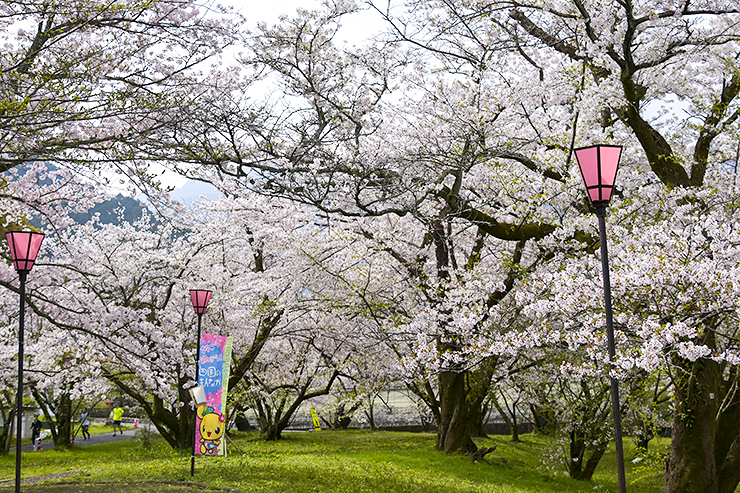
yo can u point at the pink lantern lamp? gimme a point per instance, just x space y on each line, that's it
598 165
24 248
200 298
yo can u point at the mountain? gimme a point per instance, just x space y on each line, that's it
130 210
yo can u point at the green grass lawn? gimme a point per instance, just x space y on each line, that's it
341 462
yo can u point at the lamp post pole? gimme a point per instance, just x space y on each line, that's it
195 406
601 214
19 410
24 248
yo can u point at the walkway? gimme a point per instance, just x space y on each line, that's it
94 438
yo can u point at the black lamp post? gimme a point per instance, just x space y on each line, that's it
200 298
24 248
598 165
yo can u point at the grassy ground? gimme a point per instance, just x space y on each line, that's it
327 462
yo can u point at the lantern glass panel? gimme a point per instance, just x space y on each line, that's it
609 163
588 162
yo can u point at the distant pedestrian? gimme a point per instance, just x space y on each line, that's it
117 417
36 428
85 419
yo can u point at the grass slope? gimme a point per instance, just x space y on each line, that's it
326 462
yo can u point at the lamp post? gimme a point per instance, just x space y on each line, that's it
598 165
24 248
200 299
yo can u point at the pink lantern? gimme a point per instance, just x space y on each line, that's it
24 248
598 166
200 298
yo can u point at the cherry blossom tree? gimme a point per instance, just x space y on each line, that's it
86 82
325 144
460 126
494 98
677 54
116 296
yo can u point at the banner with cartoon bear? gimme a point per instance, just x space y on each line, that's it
213 375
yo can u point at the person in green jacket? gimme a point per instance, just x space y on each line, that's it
117 416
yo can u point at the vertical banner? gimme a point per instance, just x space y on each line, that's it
315 418
213 374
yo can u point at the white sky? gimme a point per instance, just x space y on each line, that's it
270 10
355 27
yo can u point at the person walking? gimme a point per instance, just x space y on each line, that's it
85 420
36 426
117 417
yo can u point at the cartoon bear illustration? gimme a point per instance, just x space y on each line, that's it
211 429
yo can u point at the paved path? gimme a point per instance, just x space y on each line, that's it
94 438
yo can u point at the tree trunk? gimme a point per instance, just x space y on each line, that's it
272 426
175 428
6 436
578 450
57 415
63 420
461 394
370 413
543 420
727 444
691 465
642 442
477 418
271 431
514 428
454 429
509 417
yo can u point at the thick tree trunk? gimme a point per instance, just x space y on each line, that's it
691 465
579 450
57 416
543 420
176 429
271 431
63 420
454 429
642 442
727 444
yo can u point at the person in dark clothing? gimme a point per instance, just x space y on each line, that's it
36 428
85 419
